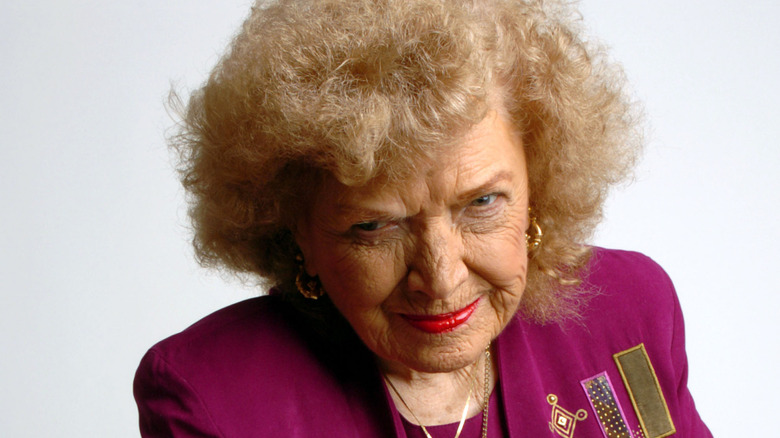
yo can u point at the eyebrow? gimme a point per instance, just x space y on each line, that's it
486 186
357 211
361 213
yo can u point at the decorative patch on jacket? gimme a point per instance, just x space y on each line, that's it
562 421
645 392
606 406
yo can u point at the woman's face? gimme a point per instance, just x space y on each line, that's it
428 271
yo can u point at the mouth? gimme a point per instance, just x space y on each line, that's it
442 323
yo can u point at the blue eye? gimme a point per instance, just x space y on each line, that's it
484 200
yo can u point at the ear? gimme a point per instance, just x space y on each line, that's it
303 240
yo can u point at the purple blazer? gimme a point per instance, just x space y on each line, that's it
254 369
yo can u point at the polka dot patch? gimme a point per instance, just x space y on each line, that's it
606 406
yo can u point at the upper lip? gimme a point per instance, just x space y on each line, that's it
440 316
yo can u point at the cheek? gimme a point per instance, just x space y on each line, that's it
502 260
503 266
359 280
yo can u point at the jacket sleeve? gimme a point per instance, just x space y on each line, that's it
168 406
687 422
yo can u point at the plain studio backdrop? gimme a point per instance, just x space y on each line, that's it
95 260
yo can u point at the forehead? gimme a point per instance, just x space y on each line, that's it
490 153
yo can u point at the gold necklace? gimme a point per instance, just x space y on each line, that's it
485 401
486 398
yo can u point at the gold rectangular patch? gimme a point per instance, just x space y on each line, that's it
645 392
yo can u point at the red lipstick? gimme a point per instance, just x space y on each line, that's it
442 323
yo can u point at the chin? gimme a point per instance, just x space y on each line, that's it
450 353
445 362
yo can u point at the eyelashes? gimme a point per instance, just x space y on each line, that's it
373 233
484 200
370 226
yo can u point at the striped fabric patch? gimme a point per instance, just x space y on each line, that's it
606 406
645 392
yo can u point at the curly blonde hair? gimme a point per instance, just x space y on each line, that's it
362 88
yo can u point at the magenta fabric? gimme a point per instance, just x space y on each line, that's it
253 370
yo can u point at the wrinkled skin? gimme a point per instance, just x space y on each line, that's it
451 234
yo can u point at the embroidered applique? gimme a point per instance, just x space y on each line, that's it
562 421
645 392
606 406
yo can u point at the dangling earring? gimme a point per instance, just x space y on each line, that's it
309 287
534 240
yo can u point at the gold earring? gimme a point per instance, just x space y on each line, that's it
309 287
534 240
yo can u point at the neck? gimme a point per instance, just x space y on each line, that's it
438 398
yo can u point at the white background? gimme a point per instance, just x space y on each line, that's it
95 263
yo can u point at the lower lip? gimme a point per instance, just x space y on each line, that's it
441 323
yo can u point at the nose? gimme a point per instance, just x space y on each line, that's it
438 267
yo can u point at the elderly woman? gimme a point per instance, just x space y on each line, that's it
415 179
